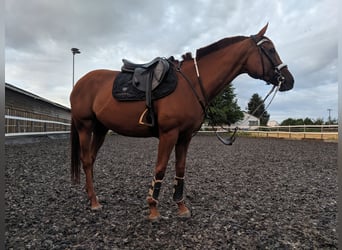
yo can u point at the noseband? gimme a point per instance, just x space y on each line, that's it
277 67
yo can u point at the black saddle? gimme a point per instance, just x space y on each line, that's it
149 81
151 73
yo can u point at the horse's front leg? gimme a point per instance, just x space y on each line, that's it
178 193
167 142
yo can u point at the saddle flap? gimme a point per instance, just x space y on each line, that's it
160 70
159 73
141 77
152 75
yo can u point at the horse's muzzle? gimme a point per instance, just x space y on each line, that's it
287 80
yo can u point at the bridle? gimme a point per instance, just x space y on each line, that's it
277 67
277 70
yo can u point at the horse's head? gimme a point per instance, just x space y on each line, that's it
264 63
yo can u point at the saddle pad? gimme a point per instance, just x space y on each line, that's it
124 90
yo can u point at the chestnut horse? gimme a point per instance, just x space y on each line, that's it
94 111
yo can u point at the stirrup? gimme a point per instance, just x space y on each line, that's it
144 115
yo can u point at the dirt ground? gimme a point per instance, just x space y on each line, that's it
256 194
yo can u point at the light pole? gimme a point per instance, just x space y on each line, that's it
329 110
74 51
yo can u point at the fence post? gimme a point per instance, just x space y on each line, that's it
304 131
290 131
17 128
322 132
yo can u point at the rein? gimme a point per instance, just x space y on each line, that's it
276 88
231 139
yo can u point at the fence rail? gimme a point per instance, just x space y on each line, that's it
323 132
16 126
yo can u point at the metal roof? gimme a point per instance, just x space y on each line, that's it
36 97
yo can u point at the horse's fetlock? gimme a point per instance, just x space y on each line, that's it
178 189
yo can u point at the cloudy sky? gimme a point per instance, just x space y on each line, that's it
40 33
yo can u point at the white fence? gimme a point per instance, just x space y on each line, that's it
323 132
17 126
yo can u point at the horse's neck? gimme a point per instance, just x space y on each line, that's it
220 68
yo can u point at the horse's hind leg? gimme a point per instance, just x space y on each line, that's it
98 137
90 142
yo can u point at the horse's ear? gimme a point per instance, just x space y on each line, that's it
262 31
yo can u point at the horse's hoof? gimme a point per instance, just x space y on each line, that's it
185 214
154 218
96 208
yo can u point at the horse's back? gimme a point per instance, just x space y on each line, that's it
91 82
89 89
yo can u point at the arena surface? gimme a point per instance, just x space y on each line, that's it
256 194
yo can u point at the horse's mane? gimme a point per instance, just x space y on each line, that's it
185 57
210 48
218 45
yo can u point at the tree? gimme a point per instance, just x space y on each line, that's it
288 121
319 121
300 121
291 121
261 113
308 121
224 108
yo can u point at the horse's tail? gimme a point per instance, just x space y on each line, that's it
75 154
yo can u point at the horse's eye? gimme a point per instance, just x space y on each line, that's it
272 50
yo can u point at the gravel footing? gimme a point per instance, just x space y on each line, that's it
256 194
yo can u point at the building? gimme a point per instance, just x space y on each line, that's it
27 113
272 123
249 122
